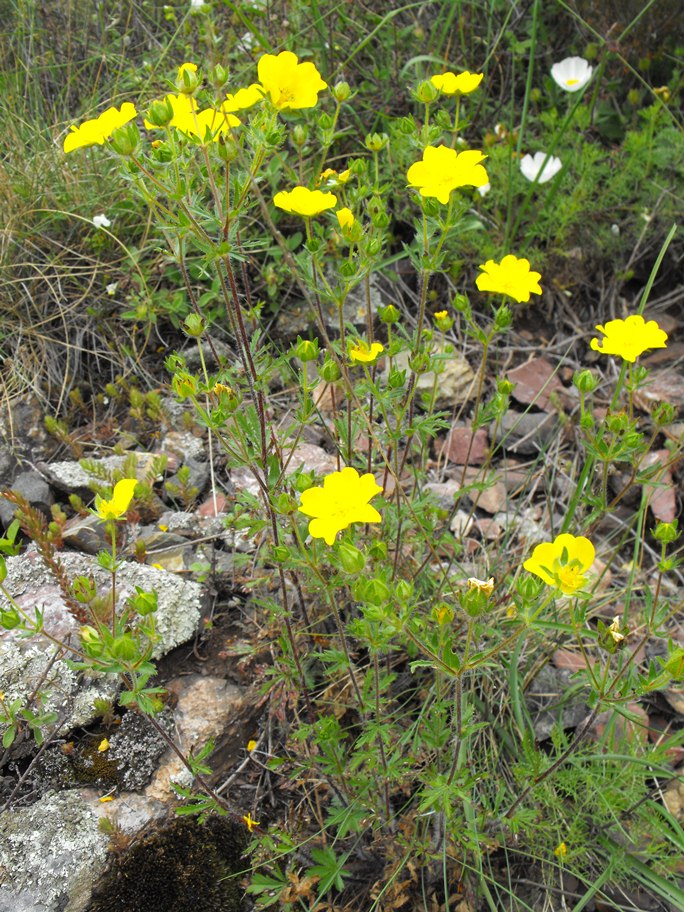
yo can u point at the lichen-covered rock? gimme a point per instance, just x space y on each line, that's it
50 854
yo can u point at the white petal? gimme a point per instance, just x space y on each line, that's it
101 221
533 167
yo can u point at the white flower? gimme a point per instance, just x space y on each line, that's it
572 74
534 169
196 4
484 189
101 221
111 288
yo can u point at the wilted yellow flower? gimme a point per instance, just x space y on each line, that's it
341 501
95 132
443 170
305 202
290 85
561 850
614 630
512 276
249 822
486 586
629 338
563 562
364 353
345 217
251 745
243 99
120 501
457 84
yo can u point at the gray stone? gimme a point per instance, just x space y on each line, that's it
180 602
34 488
526 433
184 445
454 383
71 477
545 700
87 533
50 855
197 478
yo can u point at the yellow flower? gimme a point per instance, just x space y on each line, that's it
251 745
290 84
120 501
486 586
452 84
512 276
189 120
243 99
629 338
331 175
94 132
105 799
345 217
365 354
443 170
563 562
249 822
561 850
440 314
341 501
103 746
302 201
190 67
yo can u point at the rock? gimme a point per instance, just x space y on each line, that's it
446 492
213 506
34 488
461 445
544 697
535 383
127 812
455 379
525 433
526 524
180 602
222 349
661 494
22 435
461 523
183 445
674 798
188 484
50 855
86 533
491 499
206 706
71 477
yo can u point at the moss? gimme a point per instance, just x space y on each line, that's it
185 867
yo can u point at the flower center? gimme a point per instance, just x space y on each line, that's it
571 82
570 577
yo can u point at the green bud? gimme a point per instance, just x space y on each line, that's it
375 142
419 363
352 559
299 135
143 603
585 381
474 602
10 618
280 554
443 321
285 504
347 270
303 481
634 97
461 304
84 589
227 149
403 590
407 125
503 318
375 592
188 81
91 642
664 413
666 533
431 207
306 350
617 423
535 95
125 140
587 422
425 92
329 371
396 378
389 314
184 385
325 121
529 587
194 325
675 664
341 91
373 247
504 386
125 648
218 76
378 551
160 113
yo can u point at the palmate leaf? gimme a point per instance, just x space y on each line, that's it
329 869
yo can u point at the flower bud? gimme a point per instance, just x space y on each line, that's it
227 149
91 642
279 554
160 113
125 140
443 321
303 481
184 385
634 97
125 648
325 121
461 304
341 91
375 592
143 603
396 378
585 381
666 533
502 318
329 371
426 93
403 590
84 589
375 142
351 558
300 135
187 81
194 325
10 618
389 314
378 550
285 504
663 92
306 350
218 76
663 413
